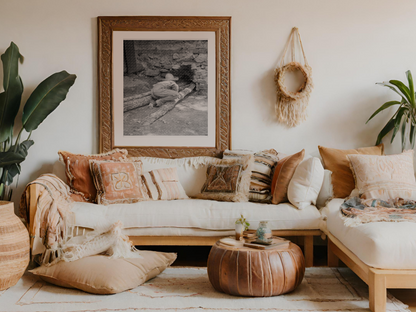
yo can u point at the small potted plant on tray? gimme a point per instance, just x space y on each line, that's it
241 225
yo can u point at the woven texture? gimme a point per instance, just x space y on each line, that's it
14 246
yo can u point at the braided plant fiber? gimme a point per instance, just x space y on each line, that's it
291 106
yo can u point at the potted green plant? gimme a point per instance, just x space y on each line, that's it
13 150
241 225
404 119
44 100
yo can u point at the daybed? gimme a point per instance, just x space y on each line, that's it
382 254
191 221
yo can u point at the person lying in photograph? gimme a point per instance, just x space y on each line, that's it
165 91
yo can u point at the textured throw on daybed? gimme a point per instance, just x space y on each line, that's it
52 227
356 211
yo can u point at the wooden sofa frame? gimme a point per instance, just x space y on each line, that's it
192 240
378 280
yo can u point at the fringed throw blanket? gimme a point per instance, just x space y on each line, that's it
356 211
52 226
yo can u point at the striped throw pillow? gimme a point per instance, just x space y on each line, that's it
167 184
262 172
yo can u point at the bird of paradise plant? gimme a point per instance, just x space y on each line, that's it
44 100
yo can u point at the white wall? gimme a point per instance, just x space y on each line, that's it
350 46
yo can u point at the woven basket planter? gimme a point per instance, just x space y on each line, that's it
14 246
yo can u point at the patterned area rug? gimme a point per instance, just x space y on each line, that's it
188 289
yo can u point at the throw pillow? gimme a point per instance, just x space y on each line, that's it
336 160
167 184
306 183
228 180
261 176
326 193
104 275
118 182
77 169
384 177
283 174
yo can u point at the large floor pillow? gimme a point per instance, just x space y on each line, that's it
104 275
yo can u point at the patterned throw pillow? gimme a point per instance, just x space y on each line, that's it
228 179
262 173
118 182
384 177
163 184
77 170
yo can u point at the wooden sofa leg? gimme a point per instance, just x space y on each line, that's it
308 248
333 260
377 291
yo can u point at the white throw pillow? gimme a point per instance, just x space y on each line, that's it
327 192
306 183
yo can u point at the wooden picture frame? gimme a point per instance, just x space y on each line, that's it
110 28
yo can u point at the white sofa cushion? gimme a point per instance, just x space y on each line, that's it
383 245
306 183
326 193
195 213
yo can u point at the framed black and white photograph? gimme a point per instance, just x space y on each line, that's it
168 91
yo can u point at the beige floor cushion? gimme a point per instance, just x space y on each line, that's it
103 275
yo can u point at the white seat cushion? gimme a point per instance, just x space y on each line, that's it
195 213
383 245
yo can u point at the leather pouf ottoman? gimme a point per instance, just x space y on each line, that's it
255 273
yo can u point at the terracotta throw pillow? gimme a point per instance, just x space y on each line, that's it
228 180
384 177
283 174
118 182
77 170
104 275
336 161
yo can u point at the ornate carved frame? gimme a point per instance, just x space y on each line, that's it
222 28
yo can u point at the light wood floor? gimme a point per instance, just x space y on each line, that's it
197 256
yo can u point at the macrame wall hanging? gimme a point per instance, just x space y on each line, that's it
291 105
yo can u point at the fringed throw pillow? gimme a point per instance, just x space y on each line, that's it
118 182
262 172
228 179
77 170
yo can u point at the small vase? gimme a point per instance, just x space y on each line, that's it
264 233
239 229
14 246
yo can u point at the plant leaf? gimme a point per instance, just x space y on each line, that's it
403 132
398 121
412 135
411 88
403 89
13 89
387 128
383 107
10 172
10 158
45 98
384 84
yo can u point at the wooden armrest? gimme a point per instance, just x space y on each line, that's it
33 204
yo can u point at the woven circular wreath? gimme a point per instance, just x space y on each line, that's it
303 90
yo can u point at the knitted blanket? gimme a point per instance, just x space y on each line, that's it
356 211
51 227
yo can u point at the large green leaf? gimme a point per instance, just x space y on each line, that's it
10 158
412 135
384 84
383 107
403 89
45 98
387 128
13 89
411 87
403 132
398 120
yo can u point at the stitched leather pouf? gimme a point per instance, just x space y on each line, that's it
14 246
255 273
